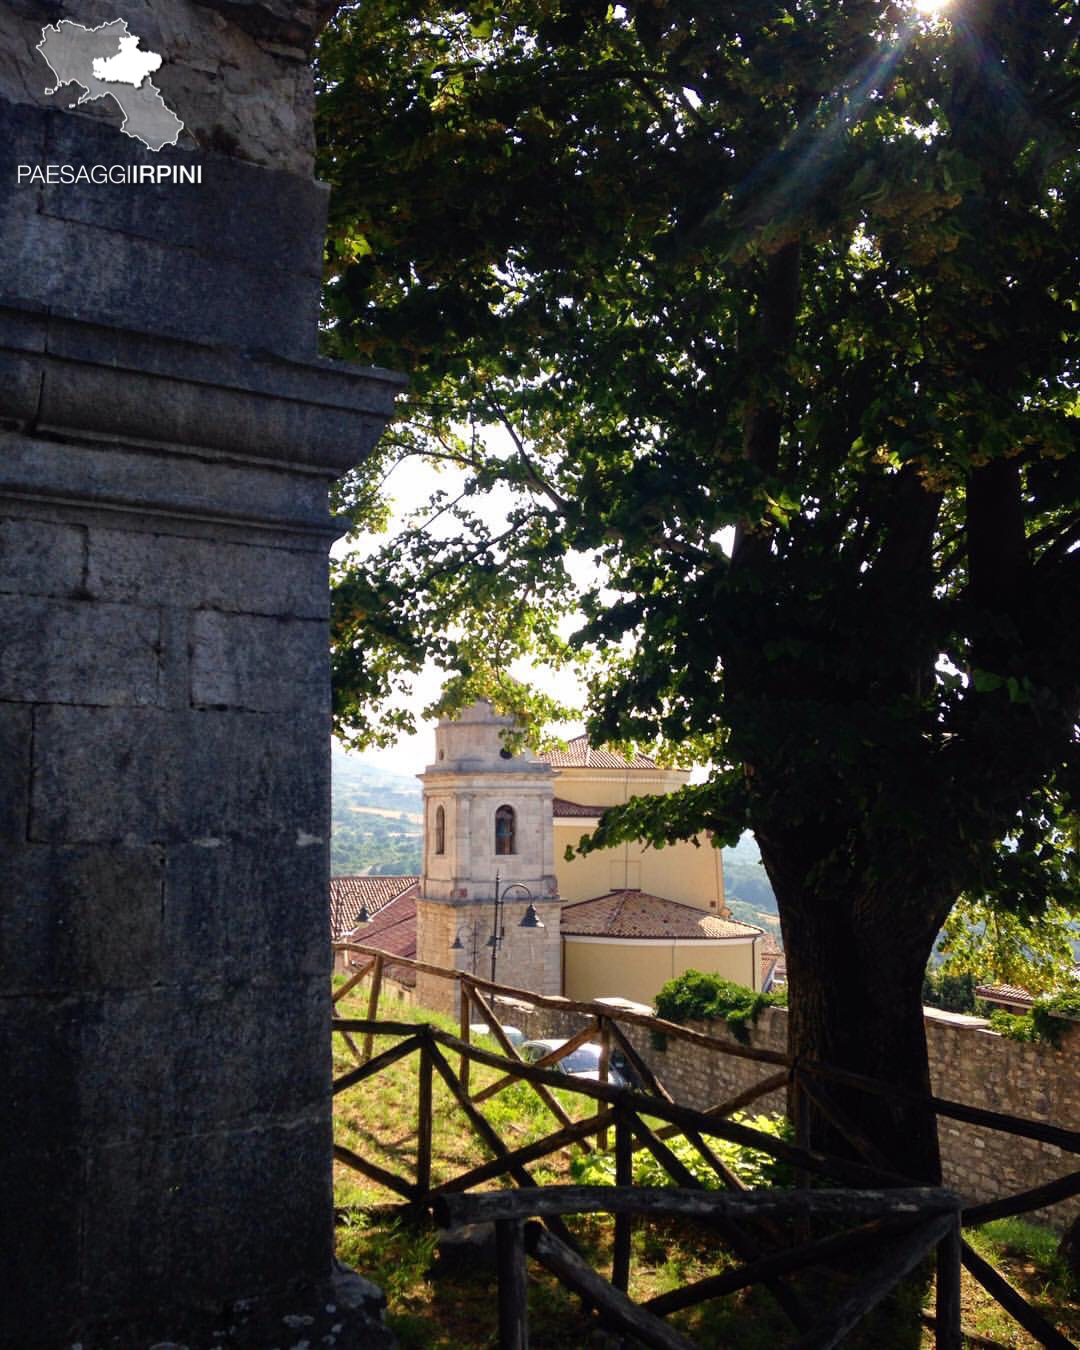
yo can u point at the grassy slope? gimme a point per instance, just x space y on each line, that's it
457 1312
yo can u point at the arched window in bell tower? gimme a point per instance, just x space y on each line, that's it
505 830
440 830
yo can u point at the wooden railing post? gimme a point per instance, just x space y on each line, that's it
605 1061
624 1176
947 1333
513 1300
373 1005
424 1124
463 1067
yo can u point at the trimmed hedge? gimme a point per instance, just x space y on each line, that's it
696 997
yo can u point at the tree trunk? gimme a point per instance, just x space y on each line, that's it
855 970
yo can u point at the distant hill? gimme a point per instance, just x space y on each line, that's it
375 819
746 885
377 827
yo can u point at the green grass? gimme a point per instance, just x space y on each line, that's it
378 1120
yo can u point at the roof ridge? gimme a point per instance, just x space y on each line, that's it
619 907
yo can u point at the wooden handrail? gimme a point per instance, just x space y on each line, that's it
1064 1188
784 1262
1067 1140
823 1164
900 1205
541 1202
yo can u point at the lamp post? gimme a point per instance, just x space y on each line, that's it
474 936
530 920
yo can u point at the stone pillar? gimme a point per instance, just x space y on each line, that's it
167 439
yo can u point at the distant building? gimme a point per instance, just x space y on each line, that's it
350 895
587 782
773 966
616 923
1010 997
389 904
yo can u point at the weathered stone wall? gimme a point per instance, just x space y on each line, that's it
164 732
526 956
167 441
968 1063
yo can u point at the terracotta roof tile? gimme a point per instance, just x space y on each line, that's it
579 754
564 808
1005 993
347 894
393 930
636 914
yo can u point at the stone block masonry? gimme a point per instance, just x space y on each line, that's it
167 440
968 1064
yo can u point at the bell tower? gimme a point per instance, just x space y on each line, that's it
488 857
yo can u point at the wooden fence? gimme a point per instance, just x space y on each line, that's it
921 1219
622 1111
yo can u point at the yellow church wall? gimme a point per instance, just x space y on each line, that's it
610 787
694 876
595 968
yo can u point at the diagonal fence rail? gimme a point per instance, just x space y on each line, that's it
922 1219
625 1110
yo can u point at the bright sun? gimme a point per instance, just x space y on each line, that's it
931 6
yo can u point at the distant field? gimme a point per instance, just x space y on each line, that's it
414 816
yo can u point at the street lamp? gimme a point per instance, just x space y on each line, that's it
531 919
495 940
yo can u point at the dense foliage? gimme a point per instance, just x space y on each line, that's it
954 993
695 996
775 307
1047 1021
756 1169
993 945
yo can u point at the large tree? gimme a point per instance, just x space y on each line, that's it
797 272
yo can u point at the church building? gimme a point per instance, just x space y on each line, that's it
496 892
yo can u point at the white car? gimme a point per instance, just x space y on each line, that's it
584 1062
513 1034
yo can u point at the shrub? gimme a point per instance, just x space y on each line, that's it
1045 1022
1050 1014
759 1170
694 996
1013 1026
